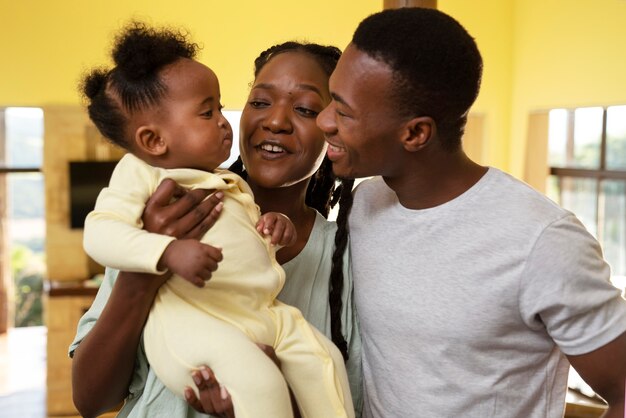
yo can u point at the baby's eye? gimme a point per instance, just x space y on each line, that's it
208 114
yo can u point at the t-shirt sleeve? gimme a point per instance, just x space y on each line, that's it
88 320
566 288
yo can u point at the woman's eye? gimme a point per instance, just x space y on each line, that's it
307 112
258 104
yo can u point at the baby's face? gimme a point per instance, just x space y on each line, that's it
197 134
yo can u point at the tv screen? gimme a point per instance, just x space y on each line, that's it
87 178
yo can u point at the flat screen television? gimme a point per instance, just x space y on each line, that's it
87 178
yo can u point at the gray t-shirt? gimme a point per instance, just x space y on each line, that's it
467 309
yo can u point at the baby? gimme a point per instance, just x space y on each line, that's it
163 107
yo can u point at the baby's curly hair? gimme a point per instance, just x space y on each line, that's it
139 53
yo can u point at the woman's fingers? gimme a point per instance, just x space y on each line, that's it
213 399
202 217
181 213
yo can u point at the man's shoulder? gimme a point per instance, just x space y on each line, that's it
369 185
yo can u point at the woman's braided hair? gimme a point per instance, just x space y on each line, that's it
324 190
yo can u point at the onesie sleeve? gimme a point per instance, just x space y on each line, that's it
113 234
566 288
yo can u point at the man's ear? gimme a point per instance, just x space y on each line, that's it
148 139
418 133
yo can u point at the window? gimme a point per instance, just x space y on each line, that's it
587 159
22 213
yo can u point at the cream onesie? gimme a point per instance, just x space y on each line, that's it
219 324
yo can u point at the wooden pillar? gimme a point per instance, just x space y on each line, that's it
5 259
396 4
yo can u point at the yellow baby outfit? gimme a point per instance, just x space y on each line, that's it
218 325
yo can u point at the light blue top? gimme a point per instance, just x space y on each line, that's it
306 287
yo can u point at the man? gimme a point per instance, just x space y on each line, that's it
473 290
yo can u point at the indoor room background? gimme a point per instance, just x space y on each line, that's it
539 55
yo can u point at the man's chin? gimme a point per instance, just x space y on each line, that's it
345 172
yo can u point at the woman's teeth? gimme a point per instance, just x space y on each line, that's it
272 148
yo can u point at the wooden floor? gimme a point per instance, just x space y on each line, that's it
23 373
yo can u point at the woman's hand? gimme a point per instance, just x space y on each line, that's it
214 398
172 210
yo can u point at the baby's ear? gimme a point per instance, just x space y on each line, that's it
148 139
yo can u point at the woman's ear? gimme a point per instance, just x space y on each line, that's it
148 140
419 132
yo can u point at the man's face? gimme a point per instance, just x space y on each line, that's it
361 124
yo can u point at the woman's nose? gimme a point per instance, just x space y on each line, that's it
278 120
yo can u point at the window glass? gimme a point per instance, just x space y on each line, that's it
557 134
579 195
24 137
613 224
616 138
587 138
24 216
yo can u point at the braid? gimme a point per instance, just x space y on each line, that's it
336 273
321 189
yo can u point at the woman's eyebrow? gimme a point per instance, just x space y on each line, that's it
302 86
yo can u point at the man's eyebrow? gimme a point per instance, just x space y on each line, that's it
339 99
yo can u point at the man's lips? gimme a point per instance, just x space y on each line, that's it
334 152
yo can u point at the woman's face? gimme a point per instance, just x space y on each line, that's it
280 143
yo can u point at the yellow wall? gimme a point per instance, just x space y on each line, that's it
568 53
538 53
46 45
490 22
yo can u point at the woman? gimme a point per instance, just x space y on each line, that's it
283 152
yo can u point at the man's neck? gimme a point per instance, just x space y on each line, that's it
431 182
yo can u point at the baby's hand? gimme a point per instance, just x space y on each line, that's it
191 259
279 226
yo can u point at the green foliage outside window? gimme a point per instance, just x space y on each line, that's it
27 268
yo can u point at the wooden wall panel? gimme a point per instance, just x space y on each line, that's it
536 168
68 136
395 4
